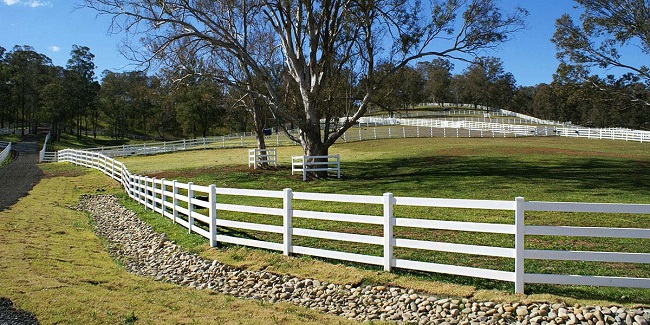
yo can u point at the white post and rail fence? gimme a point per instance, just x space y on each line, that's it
311 164
6 151
259 157
44 155
401 128
201 210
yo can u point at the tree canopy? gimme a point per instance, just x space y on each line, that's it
313 41
605 27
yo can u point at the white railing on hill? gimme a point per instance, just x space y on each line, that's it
148 148
377 120
181 202
5 131
6 151
608 133
529 118
402 128
354 134
470 109
44 155
422 128
520 130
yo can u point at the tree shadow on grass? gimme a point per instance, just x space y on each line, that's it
556 175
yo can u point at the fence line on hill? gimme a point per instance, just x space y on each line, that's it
607 133
44 155
409 128
471 109
199 209
280 139
4 154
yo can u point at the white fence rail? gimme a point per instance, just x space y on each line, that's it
44 155
462 124
470 109
182 203
426 129
4 154
308 164
258 157
610 133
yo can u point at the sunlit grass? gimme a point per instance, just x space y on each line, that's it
56 267
539 169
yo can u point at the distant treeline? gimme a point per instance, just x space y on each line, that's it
71 99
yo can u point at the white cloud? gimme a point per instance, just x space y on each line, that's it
30 3
54 48
36 3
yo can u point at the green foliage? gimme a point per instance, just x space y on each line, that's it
605 26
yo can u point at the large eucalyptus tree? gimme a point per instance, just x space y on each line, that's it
313 40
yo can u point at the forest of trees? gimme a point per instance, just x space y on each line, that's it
210 84
71 99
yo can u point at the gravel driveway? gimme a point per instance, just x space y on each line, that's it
19 176
16 179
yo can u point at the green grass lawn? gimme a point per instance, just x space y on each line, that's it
53 265
539 169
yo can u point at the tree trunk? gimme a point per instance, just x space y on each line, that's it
259 126
314 146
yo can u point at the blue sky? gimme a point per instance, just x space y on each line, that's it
53 26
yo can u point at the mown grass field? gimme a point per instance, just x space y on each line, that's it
539 169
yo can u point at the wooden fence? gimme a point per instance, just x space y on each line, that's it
199 208
4 154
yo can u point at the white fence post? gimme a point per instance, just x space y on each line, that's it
174 201
338 165
304 168
190 208
388 231
287 221
163 188
153 195
519 244
213 215
141 191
